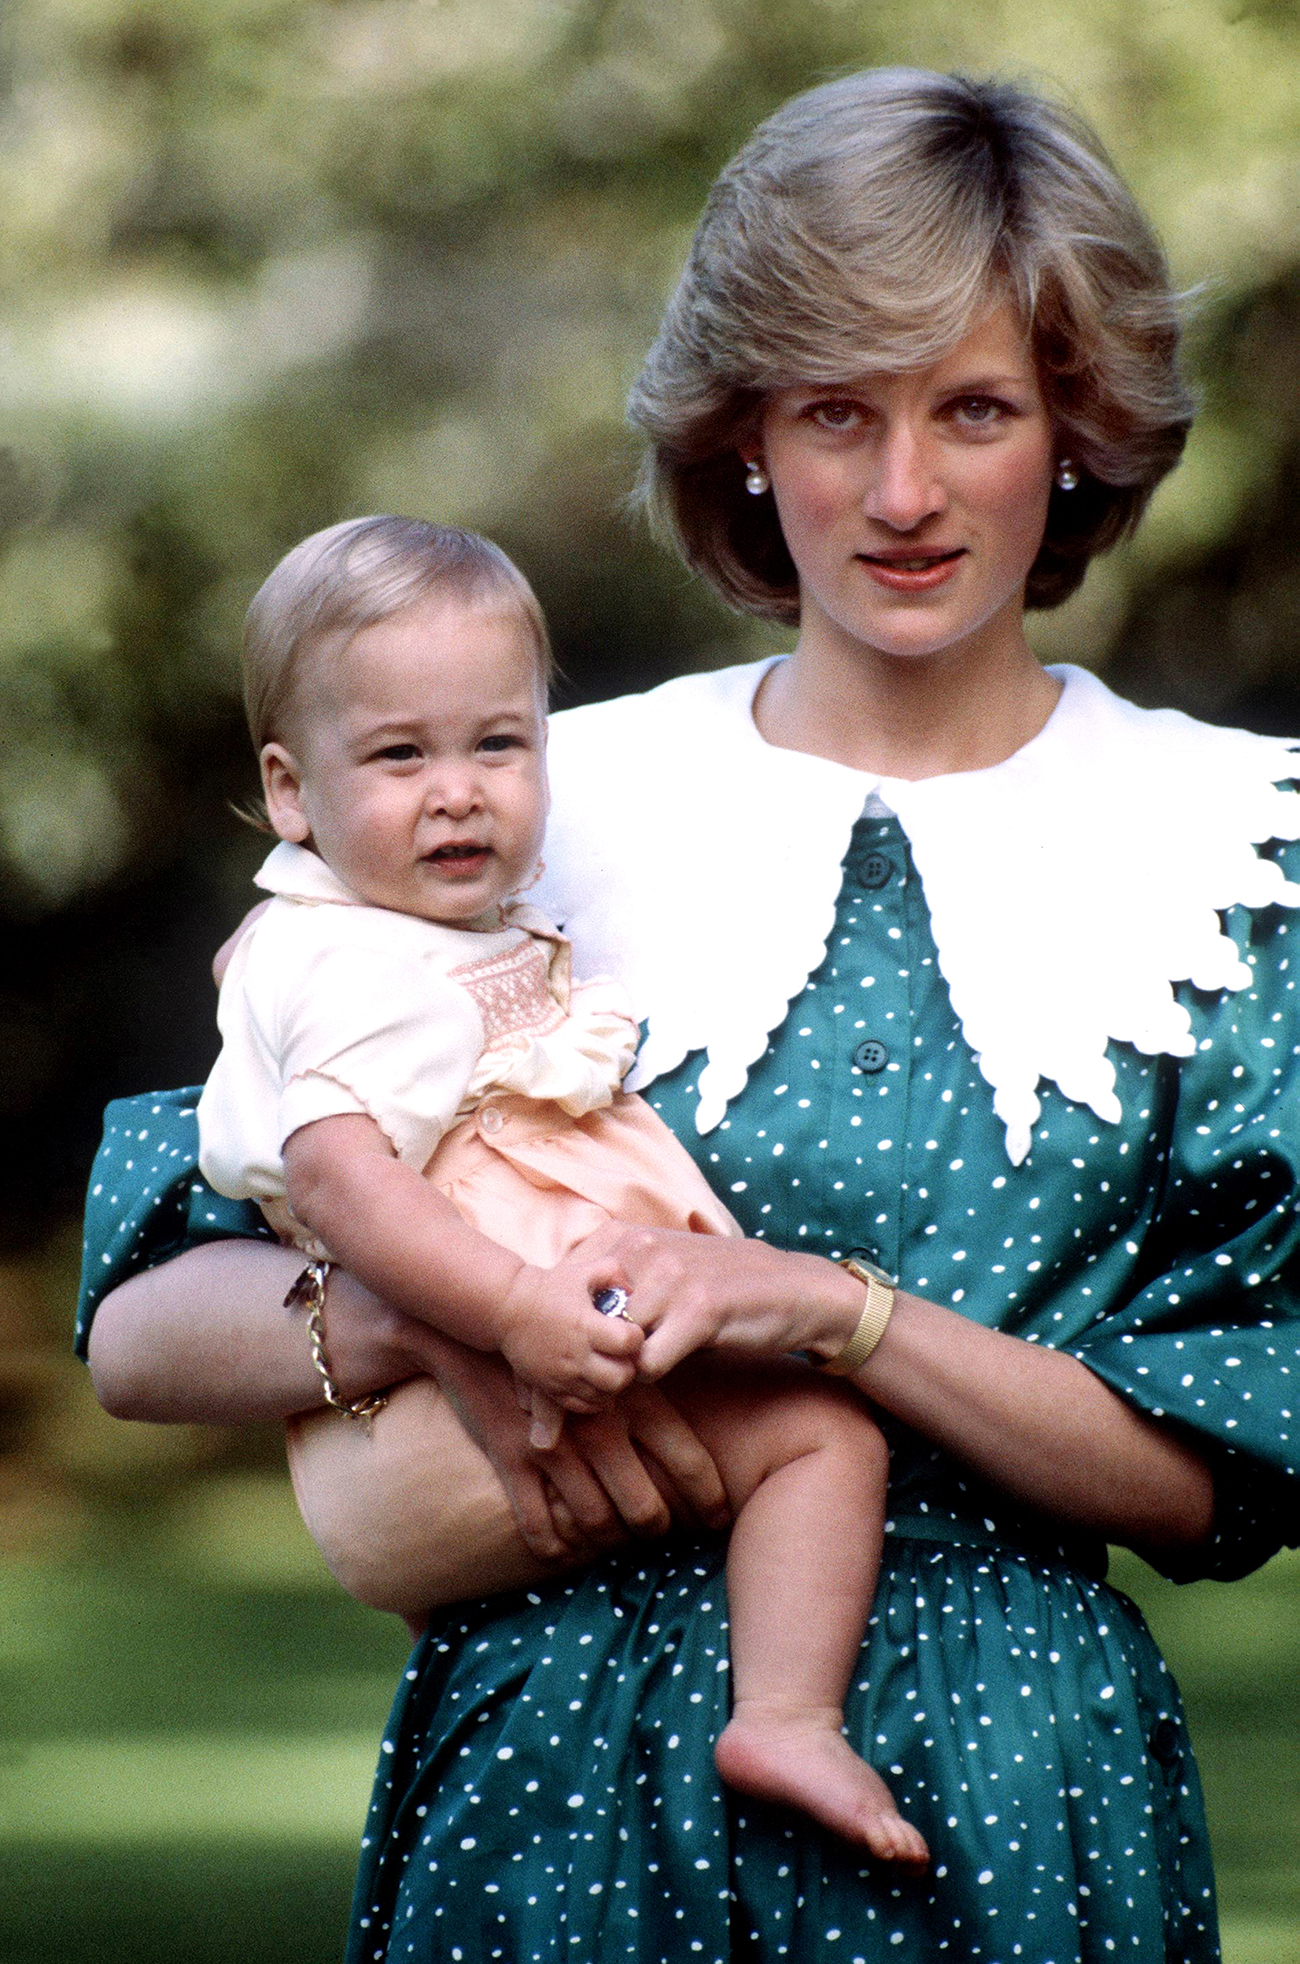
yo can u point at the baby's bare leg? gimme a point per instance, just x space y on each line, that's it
805 1468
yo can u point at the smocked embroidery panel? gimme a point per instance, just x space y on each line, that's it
511 994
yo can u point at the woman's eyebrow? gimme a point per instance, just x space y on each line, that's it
971 384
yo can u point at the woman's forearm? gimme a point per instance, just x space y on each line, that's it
1027 1418
206 1339
1042 1426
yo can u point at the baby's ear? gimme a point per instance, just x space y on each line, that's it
282 787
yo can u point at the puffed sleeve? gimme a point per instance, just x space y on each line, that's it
147 1200
1212 1342
333 1011
397 1042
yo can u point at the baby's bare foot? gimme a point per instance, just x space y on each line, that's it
800 1757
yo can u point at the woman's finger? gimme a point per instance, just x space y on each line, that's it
594 1516
675 1339
562 1520
622 1473
603 1379
616 1336
693 1480
535 1515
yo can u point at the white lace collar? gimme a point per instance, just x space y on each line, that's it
1069 887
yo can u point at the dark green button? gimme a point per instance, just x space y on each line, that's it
1166 1742
871 1056
876 870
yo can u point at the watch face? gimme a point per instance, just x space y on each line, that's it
858 1260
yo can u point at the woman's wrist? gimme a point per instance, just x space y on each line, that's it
837 1307
371 1345
879 1294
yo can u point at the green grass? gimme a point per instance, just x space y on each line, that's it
1235 1650
191 1712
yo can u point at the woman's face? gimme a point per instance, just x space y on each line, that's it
914 504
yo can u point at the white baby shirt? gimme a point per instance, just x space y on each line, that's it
331 1006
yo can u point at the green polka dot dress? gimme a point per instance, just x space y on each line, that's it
546 1789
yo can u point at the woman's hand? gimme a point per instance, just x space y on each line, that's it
732 1295
1032 1420
631 1470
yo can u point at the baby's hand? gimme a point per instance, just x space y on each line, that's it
558 1343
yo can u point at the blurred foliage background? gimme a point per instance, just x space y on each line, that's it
264 264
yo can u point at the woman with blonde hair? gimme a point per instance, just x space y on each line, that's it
968 985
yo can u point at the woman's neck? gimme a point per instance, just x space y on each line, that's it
908 718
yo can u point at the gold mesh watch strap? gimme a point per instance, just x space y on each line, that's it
876 1312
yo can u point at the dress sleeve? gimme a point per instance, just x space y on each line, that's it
147 1200
1212 1341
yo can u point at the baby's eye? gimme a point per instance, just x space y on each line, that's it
501 740
398 753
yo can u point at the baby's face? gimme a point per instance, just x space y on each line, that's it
419 766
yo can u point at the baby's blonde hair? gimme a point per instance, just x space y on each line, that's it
354 574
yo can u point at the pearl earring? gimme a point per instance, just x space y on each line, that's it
757 480
1067 476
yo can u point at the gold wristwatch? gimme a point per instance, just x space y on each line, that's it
881 1290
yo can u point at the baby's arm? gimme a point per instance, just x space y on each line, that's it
407 1243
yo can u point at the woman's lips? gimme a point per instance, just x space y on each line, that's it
911 572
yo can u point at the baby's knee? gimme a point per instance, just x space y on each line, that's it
845 1421
808 1412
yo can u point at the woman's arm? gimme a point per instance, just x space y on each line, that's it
206 1339
1032 1420
1041 1425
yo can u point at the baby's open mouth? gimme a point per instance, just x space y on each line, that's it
466 850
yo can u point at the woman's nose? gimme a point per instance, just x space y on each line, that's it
903 487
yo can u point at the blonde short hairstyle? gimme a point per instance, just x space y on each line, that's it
866 226
352 575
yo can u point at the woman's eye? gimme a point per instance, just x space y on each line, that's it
981 412
834 414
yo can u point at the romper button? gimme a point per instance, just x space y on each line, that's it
1165 1741
491 1119
871 1055
876 870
